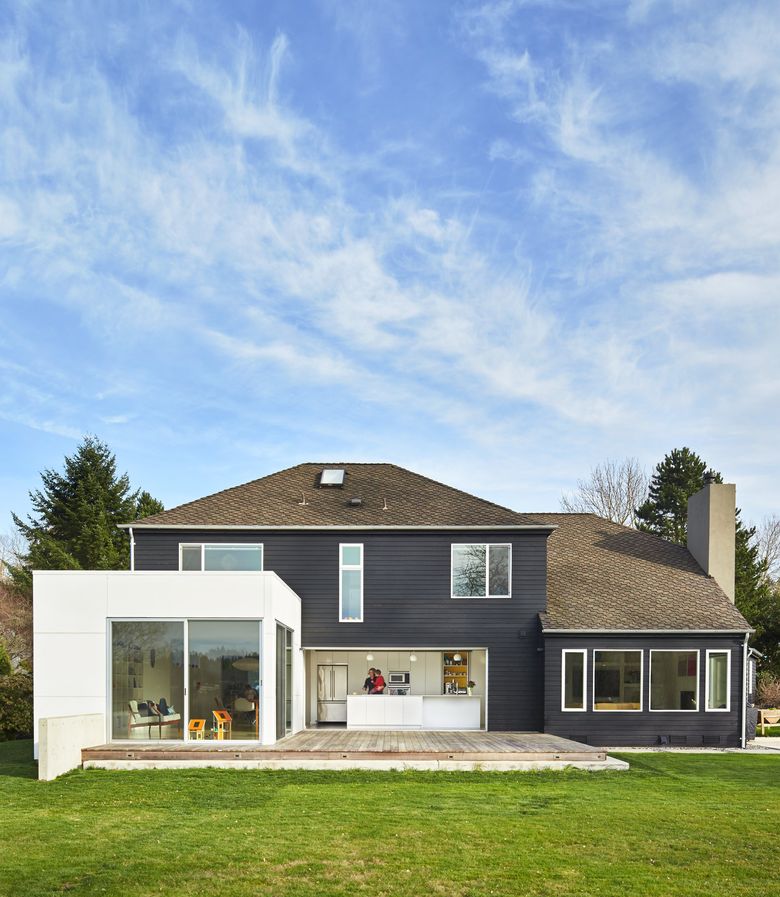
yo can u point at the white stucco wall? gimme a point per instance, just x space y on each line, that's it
71 613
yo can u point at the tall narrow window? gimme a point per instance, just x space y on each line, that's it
674 680
717 680
617 680
573 680
351 583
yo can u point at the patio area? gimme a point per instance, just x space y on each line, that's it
386 750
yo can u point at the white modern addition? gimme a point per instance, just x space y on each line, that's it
169 656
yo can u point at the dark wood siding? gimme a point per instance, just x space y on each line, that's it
407 601
644 727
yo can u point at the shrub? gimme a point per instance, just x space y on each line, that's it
16 706
5 661
768 691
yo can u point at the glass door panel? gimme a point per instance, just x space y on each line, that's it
224 678
147 679
283 680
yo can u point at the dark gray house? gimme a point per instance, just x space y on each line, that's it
476 615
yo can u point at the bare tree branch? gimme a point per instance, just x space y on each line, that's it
614 490
768 539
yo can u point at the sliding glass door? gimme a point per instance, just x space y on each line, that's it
224 678
196 679
147 679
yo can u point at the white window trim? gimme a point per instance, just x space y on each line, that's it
204 545
727 708
617 649
584 653
698 677
488 546
342 567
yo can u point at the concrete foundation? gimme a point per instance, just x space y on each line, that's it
61 739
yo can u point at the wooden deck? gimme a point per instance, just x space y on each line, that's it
340 745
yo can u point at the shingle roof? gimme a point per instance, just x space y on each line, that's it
276 500
601 575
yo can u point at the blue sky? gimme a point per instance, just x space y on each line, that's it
497 243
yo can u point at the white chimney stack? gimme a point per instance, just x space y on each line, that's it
711 531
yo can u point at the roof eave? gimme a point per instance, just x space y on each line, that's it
640 632
538 527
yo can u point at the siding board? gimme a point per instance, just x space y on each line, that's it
407 601
644 727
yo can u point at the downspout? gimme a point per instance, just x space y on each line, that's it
744 689
132 548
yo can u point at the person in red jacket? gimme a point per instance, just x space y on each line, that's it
379 683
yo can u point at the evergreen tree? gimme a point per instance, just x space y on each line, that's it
665 513
674 481
76 513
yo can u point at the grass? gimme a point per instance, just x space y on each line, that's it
771 731
676 824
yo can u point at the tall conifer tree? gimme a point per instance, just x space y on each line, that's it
76 512
665 513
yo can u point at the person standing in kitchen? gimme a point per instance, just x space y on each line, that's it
368 685
379 683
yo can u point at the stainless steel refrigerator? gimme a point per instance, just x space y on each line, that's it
331 692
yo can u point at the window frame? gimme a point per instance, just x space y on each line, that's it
487 595
707 708
696 696
641 652
584 652
342 568
204 545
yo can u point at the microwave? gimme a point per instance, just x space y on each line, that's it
399 678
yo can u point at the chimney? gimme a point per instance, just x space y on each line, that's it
711 531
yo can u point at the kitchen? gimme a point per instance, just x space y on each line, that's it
425 688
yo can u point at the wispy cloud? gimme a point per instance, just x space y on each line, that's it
202 247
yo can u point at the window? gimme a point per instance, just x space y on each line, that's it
717 678
573 680
480 571
220 556
351 583
617 680
674 680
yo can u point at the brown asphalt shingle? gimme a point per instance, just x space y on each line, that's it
601 575
275 500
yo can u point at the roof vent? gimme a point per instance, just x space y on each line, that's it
355 502
332 477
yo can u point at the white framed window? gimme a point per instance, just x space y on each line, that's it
481 570
618 679
717 680
574 679
221 556
350 583
674 680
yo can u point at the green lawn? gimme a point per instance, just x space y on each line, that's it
674 825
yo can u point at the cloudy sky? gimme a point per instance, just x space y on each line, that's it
497 243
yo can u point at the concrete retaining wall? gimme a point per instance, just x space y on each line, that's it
61 738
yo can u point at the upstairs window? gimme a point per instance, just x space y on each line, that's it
220 556
481 571
350 583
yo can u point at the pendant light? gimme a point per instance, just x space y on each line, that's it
412 658
457 658
369 656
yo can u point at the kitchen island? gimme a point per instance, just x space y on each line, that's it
413 712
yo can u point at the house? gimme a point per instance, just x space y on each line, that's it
257 612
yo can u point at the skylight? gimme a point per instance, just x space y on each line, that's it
332 477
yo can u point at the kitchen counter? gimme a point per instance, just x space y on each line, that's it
413 711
